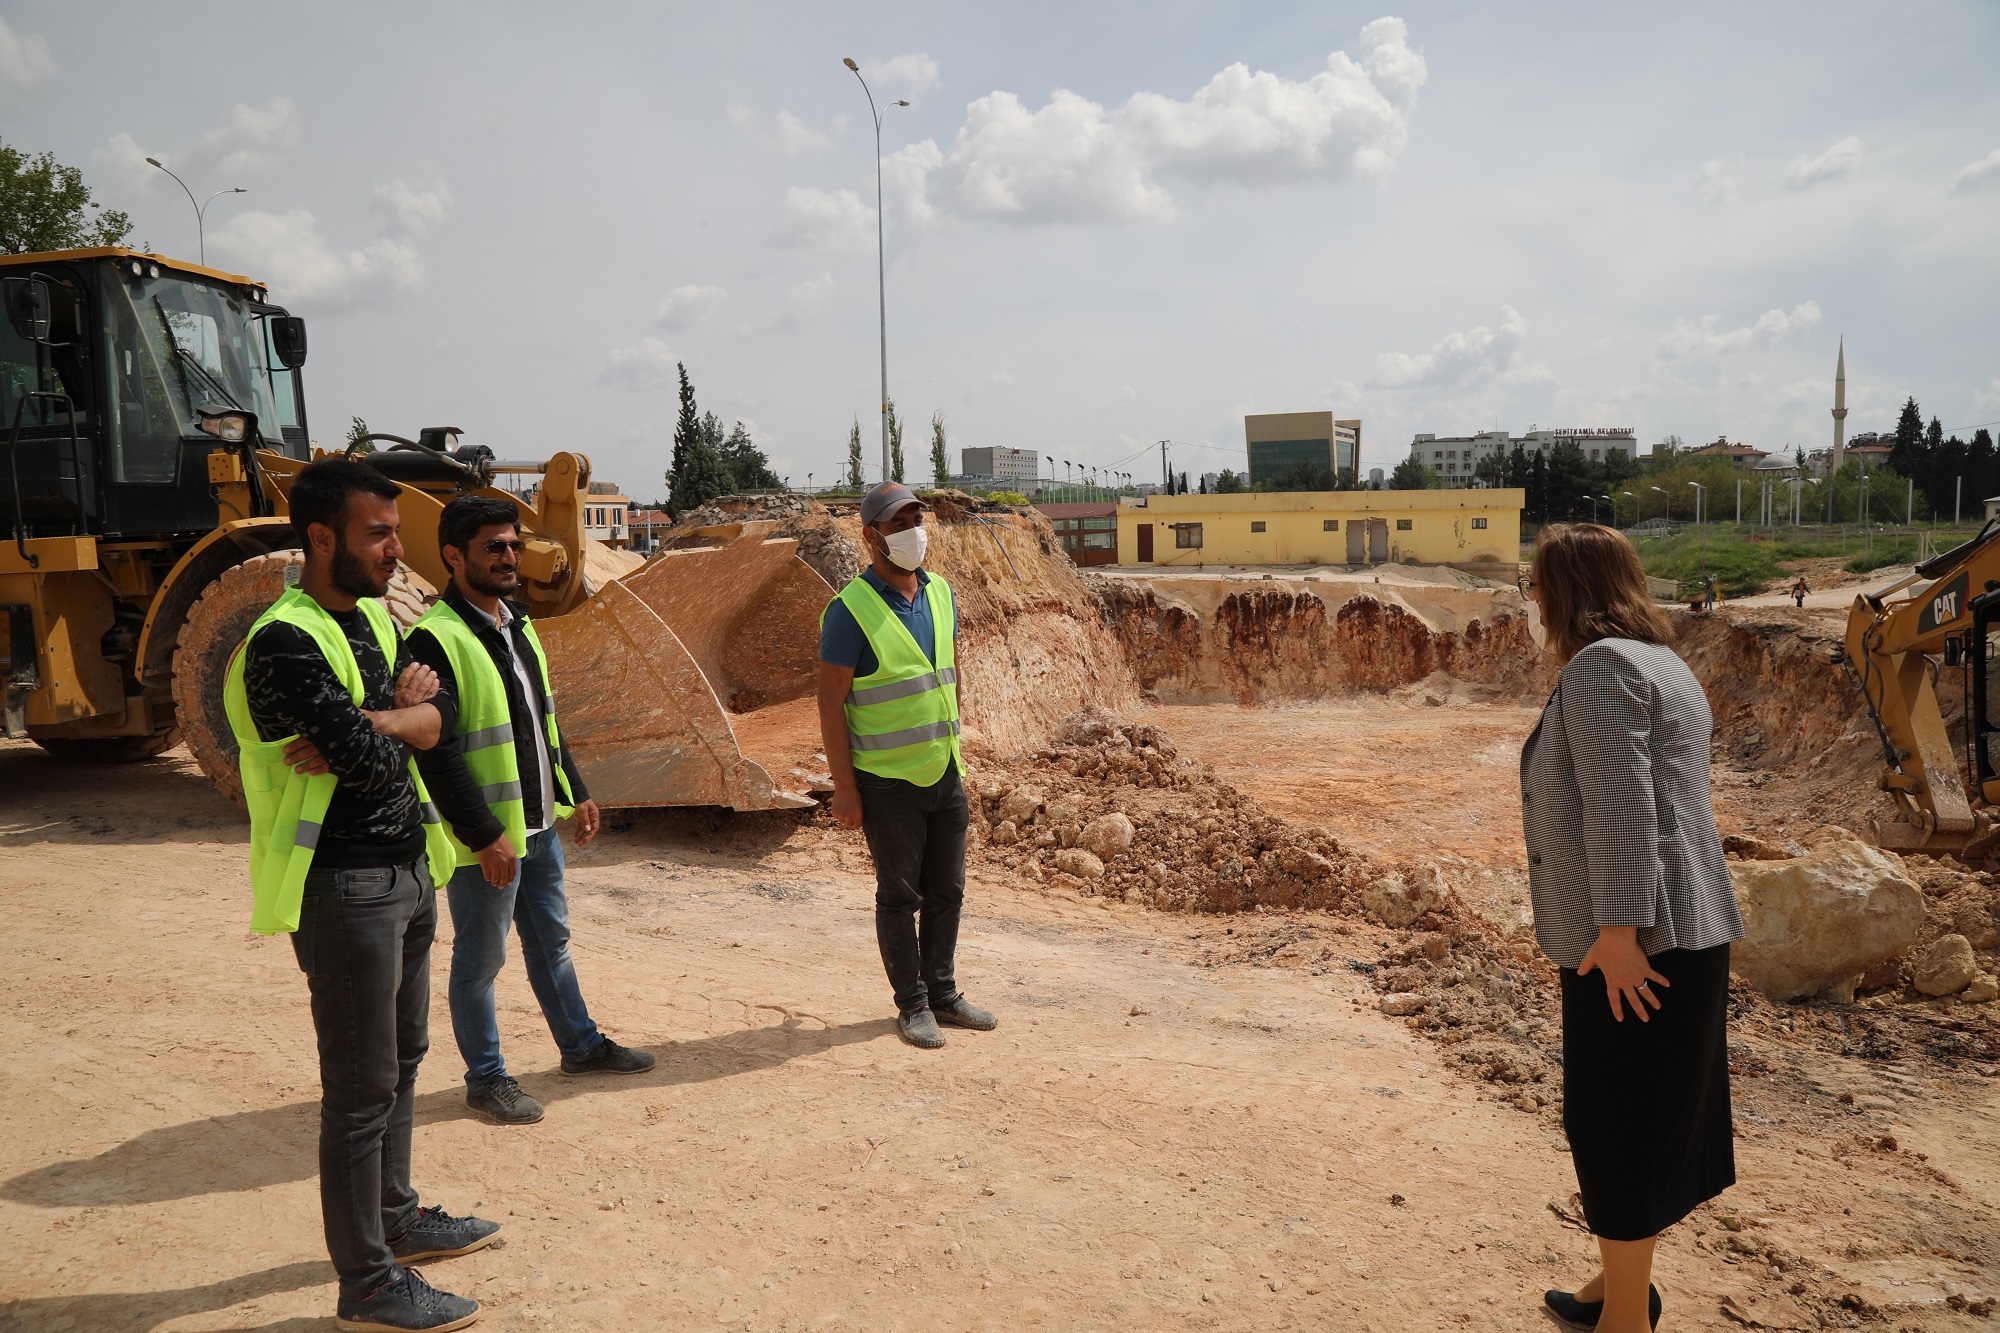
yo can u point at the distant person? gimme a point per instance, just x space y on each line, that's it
1708 592
345 856
502 783
888 716
1630 893
1799 591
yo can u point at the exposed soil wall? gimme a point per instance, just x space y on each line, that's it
1244 641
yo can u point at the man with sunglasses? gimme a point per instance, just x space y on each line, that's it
501 783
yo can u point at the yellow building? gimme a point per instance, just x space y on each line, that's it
1480 527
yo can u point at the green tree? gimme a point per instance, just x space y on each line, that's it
1302 476
854 477
1519 470
696 476
745 466
1906 455
1982 475
1228 483
355 430
895 442
1492 469
1412 475
45 205
940 463
1567 482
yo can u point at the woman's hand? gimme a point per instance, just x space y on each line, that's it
1627 973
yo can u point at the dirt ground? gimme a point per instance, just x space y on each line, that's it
1183 1122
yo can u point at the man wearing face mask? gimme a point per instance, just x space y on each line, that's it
888 711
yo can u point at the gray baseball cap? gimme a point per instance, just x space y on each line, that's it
885 500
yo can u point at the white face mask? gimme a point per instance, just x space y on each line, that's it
906 548
1537 631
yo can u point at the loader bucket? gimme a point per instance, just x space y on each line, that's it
691 681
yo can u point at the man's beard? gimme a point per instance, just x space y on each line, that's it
353 575
487 582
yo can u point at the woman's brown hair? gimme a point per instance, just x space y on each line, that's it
1593 587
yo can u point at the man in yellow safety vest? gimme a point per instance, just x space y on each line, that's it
345 855
503 781
889 681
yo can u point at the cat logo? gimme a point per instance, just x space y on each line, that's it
1945 605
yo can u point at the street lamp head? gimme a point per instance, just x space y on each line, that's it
899 103
239 190
847 61
154 161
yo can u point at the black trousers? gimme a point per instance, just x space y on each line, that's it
917 837
1646 1105
364 943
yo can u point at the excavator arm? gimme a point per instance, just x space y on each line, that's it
1947 610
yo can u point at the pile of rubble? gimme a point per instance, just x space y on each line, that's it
1113 810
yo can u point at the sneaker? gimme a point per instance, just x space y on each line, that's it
503 1101
435 1234
920 1029
404 1304
609 1058
959 1012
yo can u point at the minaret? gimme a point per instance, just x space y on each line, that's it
1839 406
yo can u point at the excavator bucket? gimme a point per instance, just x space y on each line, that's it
691 681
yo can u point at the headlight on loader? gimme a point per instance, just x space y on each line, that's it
229 427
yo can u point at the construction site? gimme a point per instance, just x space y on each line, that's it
1247 890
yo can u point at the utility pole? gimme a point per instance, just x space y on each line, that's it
1166 472
1957 498
881 278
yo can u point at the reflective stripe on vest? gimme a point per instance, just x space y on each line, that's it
287 809
486 725
902 718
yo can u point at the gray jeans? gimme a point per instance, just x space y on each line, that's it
364 943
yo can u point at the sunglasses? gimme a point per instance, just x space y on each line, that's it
1525 584
501 546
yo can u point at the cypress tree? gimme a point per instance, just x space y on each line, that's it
696 476
940 463
854 456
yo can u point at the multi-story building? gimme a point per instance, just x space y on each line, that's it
1457 457
604 511
1014 469
1280 441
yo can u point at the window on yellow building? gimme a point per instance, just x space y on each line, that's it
1187 536
1403 524
1478 522
1329 525
1256 525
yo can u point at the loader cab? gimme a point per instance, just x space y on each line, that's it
1983 722
109 360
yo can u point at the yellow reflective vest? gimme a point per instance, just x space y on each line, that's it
286 807
486 726
902 719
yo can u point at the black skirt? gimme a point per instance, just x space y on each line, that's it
1646 1105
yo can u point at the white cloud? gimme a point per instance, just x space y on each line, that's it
1073 160
687 306
253 139
410 211
1458 360
646 364
1977 175
825 220
1838 160
1124 393
1716 185
287 250
913 73
806 304
787 133
1987 399
24 58
1698 339
122 154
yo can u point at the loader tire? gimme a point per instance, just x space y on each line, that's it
215 627
111 749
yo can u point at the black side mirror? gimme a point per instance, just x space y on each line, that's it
28 308
288 340
1954 651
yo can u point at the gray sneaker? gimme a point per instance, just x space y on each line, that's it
502 1100
959 1012
435 1234
406 1304
920 1029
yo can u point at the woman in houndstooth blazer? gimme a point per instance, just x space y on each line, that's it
1633 902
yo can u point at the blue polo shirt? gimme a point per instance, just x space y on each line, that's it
842 642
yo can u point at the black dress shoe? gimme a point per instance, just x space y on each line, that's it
1585 1314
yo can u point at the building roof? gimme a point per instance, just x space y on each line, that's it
1281 502
1731 451
1087 509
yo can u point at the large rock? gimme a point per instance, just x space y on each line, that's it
1399 900
1078 862
1019 805
1106 836
1813 924
1947 967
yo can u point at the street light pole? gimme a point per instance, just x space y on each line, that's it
881 277
200 209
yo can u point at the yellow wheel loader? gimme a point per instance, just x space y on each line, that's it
1946 613
154 418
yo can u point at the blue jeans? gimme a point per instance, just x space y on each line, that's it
534 902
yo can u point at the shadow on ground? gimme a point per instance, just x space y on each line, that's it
253 1149
143 1311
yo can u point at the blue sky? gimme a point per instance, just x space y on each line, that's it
1102 231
